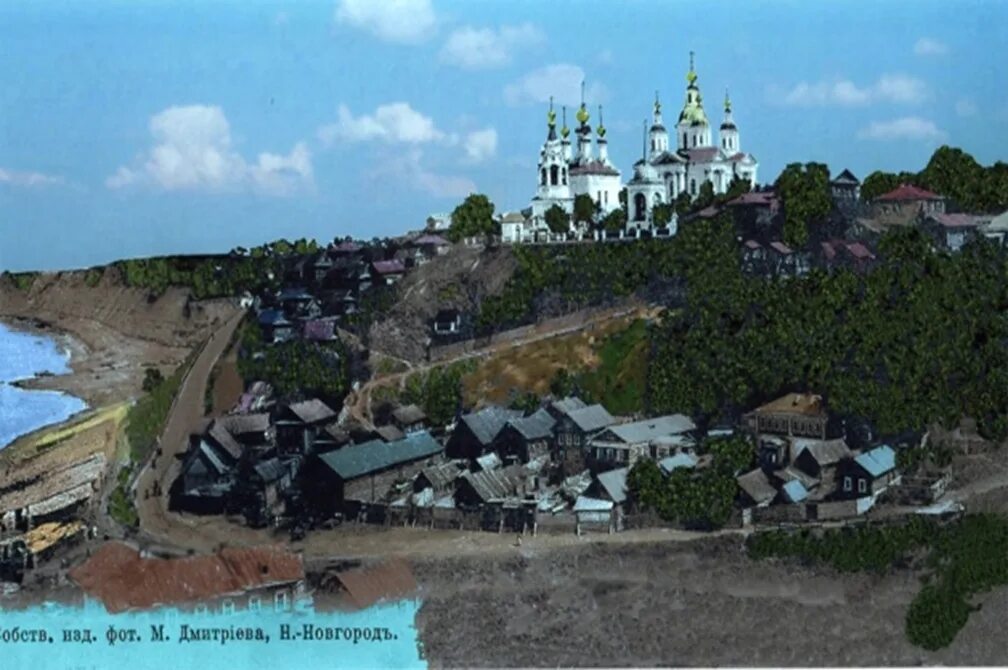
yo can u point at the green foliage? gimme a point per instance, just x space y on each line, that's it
620 380
964 558
120 502
732 454
557 220
805 194
683 203
527 402
92 277
295 368
615 220
146 418
877 183
705 196
584 209
152 379
439 391
213 277
737 187
22 280
917 341
473 217
695 499
661 215
565 384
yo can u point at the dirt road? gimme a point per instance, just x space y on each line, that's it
185 417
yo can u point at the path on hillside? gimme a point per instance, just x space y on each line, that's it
184 418
358 403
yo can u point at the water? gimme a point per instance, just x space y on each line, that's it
147 652
23 356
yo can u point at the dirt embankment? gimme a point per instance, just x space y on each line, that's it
461 279
112 331
697 603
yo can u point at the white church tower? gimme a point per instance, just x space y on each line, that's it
554 186
658 136
729 134
693 130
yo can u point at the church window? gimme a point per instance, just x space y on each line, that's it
542 178
694 140
692 186
554 174
640 207
563 175
605 197
684 141
652 144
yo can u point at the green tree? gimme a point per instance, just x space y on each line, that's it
584 209
682 203
152 379
661 215
473 217
557 220
737 187
615 220
805 194
705 197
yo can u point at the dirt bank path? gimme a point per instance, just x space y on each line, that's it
185 417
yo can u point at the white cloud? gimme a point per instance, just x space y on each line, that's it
926 46
906 128
192 151
480 145
561 80
896 88
965 107
479 48
29 179
394 122
403 21
408 168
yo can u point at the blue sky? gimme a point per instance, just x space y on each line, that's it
139 128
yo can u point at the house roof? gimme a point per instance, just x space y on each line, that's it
210 455
829 251
489 461
244 424
780 247
595 167
859 250
446 315
513 217
346 246
586 504
703 155
568 404
591 418
845 177
431 241
389 433
649 429
270 470
957 220
535 426
794 403
409 414
312 411
319 329
999 223
823 452
488 422
791 473
878 461
117 575
613 482
757 486
908 192
441 475
272 317
497 483
294 294
391 580
753 244
223 439
794 491
754 198
677 461
358 460
393 266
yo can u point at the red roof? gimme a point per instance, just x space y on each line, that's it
755 198
956 220
828 250
432 240
908 192
753 244
702 155
858 250
781 247
594 167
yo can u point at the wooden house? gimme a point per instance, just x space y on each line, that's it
867 474
526 438
794 414
299 423
845 188
624 444
409 418
475 433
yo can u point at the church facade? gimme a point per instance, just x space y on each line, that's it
674 162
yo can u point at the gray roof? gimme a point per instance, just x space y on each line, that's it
568 404
270 470
824 452
496 484
240 424
757 486
211 456
361 459
792 473
677 461
614 484
312 411
441 475
389 433
487 423
489 461
591 418
649 429
220 436
409 414
535 426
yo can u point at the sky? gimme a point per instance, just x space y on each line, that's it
140 127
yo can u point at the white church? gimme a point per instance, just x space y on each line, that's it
660 176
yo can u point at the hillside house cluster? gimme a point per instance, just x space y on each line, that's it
804 459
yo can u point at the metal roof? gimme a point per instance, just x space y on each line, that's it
496 484
489 461
534 427
794 491
678 461
824 452
593 417
878 461
586 504
488 422
272 317
757 486
614 483
649 429
358 460
568 404
270 470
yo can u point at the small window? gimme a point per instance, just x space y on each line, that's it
862 485
280 601
228 607
254 603
846 483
